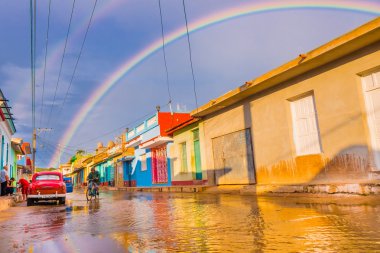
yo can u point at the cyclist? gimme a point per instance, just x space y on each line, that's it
93 178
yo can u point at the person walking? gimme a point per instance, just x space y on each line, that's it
4 178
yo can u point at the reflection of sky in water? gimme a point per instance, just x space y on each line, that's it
146 222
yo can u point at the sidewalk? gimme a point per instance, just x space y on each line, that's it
189 189
310 189
8 201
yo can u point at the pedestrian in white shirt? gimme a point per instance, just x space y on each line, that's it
4 178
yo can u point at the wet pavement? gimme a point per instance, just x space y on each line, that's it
185 222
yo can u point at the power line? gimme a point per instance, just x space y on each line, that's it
164 52
57 146
191 60
63 57
121 127
80 54
51 151
116 129
46 48
41 158
61 147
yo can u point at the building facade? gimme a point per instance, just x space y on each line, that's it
313 120
7 129
150 165
186 154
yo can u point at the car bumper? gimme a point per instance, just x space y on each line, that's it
47 196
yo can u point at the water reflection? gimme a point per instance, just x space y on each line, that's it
158 222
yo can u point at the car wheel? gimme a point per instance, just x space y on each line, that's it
62 201
29 202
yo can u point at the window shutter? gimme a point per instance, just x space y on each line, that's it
305 126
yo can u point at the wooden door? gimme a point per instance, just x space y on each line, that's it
159 165
197 155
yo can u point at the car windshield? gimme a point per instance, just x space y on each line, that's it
47 177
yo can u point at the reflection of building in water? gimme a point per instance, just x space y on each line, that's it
320 227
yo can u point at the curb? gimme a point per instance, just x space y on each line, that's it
9 201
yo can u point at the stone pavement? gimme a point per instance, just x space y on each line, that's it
8 201
334 188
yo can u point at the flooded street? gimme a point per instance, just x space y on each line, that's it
162 222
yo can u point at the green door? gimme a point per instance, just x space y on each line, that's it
197 154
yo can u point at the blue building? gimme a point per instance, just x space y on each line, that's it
150 165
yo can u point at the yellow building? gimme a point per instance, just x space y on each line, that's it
186 154
313 120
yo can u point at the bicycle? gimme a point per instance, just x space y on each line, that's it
92 191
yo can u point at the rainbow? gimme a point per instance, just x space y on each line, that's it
216 18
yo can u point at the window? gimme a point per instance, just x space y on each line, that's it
143 162
47 177
371 89
305 126
196 134
183 153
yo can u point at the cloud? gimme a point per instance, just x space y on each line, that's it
224 56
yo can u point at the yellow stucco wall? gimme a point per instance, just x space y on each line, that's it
181 136
341 118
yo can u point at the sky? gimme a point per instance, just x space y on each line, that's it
225 55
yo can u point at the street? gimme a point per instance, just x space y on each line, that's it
185 222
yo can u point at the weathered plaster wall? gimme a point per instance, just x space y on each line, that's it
181 136
342 123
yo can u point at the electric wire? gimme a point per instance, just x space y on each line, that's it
63 57
79 56
118 128
190 54
70 148
46 50
64 147
61 147
41 158
50 151
54 147
164 53
115 129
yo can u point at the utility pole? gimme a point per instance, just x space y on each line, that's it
34 150
33 6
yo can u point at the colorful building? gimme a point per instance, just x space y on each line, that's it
105 161
150 165
313 120
7 129
19 152
122 174
186 154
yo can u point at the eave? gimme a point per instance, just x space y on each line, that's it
350 42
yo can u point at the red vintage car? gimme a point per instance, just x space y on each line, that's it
45 186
